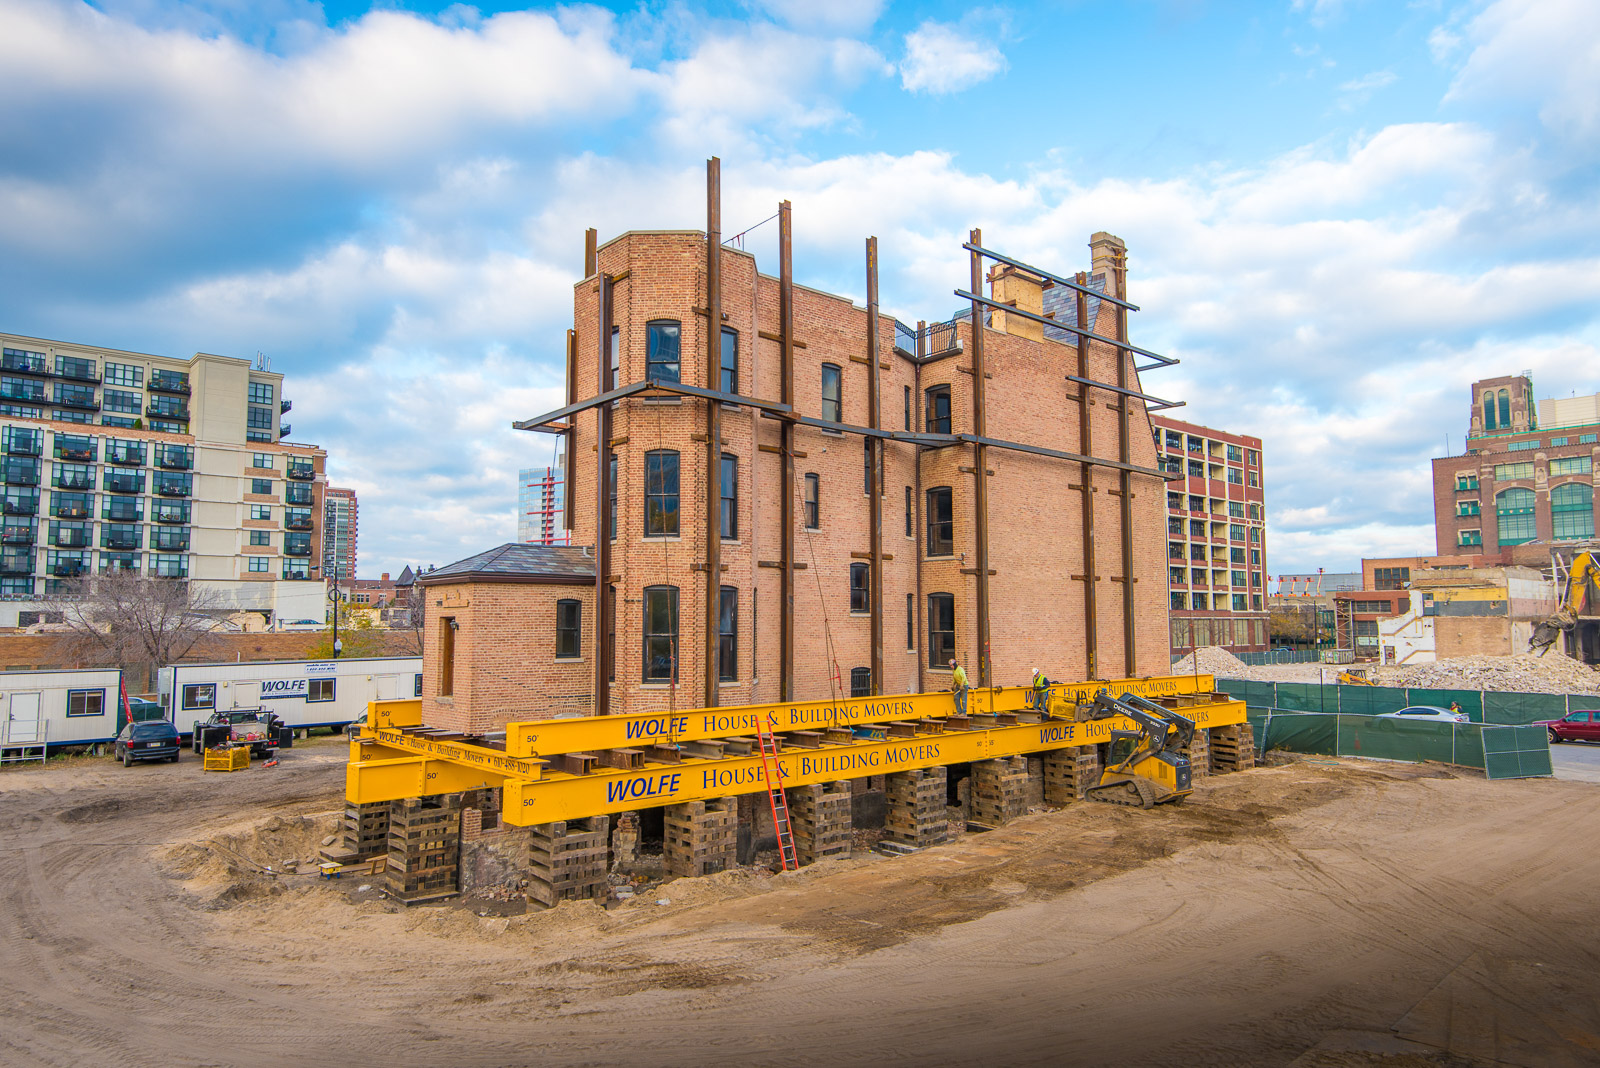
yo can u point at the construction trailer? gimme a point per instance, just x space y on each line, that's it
303 693
41 710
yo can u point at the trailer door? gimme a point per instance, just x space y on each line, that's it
247 694
388 687
22 719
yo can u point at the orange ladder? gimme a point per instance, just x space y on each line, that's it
780 804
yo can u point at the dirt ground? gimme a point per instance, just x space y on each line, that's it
1316 914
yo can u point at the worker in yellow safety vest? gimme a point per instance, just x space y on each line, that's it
958 683
1041 690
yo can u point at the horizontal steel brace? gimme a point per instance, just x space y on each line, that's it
1056 278
1155 402
1164 361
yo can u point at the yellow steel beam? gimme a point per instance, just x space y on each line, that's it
581 735
412 776
562 797
405 712
492 761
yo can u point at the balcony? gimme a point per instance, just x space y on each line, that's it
69 511
65 569
122 510
301 472
21 476
28 365
297 494
78 453
298 522
284 406
26 392
25 444
124 482
163 514
17 534
296 573
170 570
119 541
126 457
170 541
74 480
16 563
172 488
77 370
175 458
168 382
283 430
297 550
22 506
70 538
75 399
156 410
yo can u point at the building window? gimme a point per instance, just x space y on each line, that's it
261 537
1197 552
911 622
1505 409
417 685
569 624
1572 510
941 522
860 588
261 511
261 485
1470 537
941 629
1571 465
908 407
861 682
730 360
1236 476
1255 535
936 410
258 564
1175 549
1237 577
616 360
660 493
262 461
1239 602
611 632
1235 532
660 633
1514 512
1391 578
320 690
117 400
1254 480
1180 601
1488 410
1466 508
661 362
1176 576
909 531
260 393
813 502
611 521
1197 469
728 635
86 702
1512 472
1523 446
730 496
1255 557
124 374
832 393
1201 601
447 656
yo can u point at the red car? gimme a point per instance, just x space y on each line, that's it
1577 727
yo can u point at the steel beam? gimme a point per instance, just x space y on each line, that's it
713 480
1081 285
1161 361
874 468
980 462
786 454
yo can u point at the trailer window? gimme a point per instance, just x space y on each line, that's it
200 695
319 690
419 684
86 702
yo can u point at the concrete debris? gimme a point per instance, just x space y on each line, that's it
1211 661
1555 672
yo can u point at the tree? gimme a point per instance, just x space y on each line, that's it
120 618
357 637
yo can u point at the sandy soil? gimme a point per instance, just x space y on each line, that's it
1319 913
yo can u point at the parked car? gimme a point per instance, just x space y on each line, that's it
1427 712
154 739
1576 727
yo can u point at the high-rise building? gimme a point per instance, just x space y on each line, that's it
165 466
1216 537
339 534
1525 484
541 499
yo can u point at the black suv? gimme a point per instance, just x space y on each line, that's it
154 739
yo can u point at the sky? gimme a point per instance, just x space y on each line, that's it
1338 213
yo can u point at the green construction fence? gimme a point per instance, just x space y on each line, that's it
1481 706
1502 751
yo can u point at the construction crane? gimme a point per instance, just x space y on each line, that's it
1581 592
1148 766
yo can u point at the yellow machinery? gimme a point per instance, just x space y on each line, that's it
1356 677
1580 594
1148 766
562 769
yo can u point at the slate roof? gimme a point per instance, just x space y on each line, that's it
517 562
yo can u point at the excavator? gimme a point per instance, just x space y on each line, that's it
1583 591
1146 767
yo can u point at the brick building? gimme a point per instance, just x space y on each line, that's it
884 592
1520 489
1216 537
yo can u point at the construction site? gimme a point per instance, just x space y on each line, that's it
676 788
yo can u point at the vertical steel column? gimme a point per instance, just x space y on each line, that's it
980 459
875 452
920 633
1091 638
786 445
602 504
1119 273
567 435
713 423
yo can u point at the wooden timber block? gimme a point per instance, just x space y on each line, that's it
1199 753
700 837
1233 748
1069 772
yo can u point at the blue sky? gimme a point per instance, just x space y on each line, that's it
1339 213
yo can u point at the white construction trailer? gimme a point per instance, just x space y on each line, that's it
303 693
44 710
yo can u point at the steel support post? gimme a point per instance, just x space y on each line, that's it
980 460
875 465
713 484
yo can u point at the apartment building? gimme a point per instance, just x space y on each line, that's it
860 534
1524 485
170 467
541 504
339 533
1216 537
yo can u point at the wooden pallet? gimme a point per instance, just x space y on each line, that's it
1233 748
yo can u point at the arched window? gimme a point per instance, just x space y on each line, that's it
660 633
1514 513
1505 409
861 682
1488 410
1572 511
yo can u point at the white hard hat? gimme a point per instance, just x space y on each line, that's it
1034 670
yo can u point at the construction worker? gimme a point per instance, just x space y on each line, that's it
958 683
1041 690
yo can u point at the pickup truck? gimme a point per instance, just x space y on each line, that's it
260 730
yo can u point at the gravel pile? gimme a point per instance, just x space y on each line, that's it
1555 672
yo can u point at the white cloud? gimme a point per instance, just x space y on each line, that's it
945 58
832 15
1543 53
1358 91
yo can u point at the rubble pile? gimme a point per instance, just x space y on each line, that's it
1212 661
1555 672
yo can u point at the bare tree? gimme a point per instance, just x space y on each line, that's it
122 618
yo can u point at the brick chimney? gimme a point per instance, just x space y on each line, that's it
1106 251
1024 292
